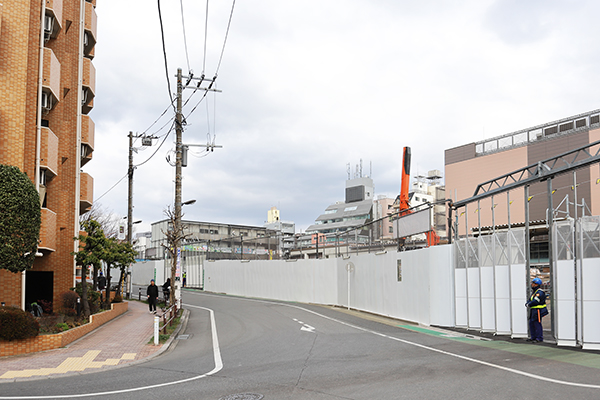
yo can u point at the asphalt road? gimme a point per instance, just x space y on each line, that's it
295 351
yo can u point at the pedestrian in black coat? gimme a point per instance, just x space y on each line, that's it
152 293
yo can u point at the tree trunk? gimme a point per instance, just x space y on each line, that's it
120 282
107 298
84 290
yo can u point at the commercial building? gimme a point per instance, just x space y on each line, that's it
47 87
471 164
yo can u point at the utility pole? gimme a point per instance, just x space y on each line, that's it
179 148
130 193
177 225
130 170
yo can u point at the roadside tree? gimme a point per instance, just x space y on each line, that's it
20 220
91 252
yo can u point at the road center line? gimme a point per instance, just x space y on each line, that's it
503 368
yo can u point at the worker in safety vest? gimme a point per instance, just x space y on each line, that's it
537 310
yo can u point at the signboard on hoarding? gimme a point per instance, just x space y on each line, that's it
412 224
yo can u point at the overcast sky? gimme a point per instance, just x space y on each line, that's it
309 87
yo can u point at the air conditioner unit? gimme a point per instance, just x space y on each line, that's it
46 101
43 177
85 39
48 26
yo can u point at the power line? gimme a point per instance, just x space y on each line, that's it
113 186
225 41
159 117
184 36
162 33
205 38
153 154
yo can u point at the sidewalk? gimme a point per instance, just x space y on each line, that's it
121 341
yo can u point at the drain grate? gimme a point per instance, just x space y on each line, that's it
243 396
183 337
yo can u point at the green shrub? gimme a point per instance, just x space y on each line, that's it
17 324
118 299
62 327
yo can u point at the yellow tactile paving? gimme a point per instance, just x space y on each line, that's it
71 364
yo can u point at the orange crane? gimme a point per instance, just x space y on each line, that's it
404 203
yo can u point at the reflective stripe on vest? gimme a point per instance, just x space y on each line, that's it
531 299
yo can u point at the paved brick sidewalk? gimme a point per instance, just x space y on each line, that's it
120 341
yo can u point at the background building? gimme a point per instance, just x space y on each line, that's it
47 86
216 241
284 232
474 163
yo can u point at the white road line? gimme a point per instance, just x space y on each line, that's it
217 368
511 370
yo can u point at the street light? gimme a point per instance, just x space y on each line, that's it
188 203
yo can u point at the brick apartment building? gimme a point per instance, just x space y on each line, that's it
47 86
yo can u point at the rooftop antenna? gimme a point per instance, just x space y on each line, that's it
348 170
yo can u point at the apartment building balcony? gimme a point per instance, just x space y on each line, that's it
89 46
48 231
86 192
49 152
53 21
87 139
90 23
88 86
51 80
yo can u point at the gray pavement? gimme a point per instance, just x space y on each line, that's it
122 341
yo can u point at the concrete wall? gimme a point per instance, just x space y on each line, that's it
368 282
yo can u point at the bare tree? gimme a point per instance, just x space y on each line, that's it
174 237
107 219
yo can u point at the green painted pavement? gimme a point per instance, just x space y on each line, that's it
574 356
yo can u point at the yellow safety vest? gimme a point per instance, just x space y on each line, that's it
531 299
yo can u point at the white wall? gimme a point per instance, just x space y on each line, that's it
424 295
142 272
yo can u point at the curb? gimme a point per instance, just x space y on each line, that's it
168 346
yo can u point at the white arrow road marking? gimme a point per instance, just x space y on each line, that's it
305 327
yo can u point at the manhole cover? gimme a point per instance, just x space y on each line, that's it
243 396
183 337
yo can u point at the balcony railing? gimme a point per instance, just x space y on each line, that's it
48 230
539 132
86 192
